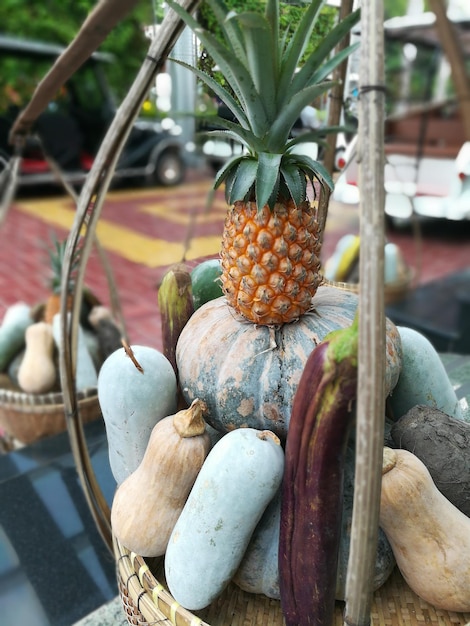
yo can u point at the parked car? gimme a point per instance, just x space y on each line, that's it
75 122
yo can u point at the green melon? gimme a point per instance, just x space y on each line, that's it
205 282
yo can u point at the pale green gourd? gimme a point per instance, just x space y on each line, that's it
423 379
16 320
239 478
132 401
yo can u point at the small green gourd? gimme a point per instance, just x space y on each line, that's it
205 282
16 320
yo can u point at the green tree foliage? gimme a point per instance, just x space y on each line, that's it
290 14
58 21
392 8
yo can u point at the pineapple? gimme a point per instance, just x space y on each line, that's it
271 241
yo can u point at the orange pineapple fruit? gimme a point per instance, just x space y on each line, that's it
270 245
270 260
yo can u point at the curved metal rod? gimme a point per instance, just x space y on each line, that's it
89 208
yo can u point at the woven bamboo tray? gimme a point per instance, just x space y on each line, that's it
146 601
27 417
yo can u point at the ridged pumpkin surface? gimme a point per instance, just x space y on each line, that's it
248 374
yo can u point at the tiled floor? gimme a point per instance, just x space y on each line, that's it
143 231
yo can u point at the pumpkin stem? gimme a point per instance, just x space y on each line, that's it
264 435
190 422
389 460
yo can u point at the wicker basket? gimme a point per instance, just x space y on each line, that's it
146 601
393 291
27 417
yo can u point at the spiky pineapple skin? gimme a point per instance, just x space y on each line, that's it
271 261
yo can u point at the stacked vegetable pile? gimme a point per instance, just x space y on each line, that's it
251 481
228 490
30 343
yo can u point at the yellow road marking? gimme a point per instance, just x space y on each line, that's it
187 190
136 247
174 212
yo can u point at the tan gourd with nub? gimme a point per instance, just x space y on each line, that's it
37 372
149 501
429 536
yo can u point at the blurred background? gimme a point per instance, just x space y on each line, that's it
54 567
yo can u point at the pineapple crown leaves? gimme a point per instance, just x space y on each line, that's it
57 256
262 68
282 174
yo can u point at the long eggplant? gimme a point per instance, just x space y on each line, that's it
312 488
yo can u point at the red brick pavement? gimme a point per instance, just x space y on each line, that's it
24 264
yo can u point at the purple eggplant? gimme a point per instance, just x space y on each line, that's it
312 489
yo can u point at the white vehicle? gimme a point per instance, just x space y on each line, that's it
427 160
430 181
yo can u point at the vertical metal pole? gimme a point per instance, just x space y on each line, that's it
183 85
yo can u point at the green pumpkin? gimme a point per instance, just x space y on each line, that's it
248 374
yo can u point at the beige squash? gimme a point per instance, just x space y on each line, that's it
429 536
149 501
37 372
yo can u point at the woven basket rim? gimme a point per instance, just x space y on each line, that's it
12 397
148 595
404 281
28 417
154 603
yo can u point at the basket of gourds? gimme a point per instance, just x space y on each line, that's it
215 514
31 400
257 483
342 268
